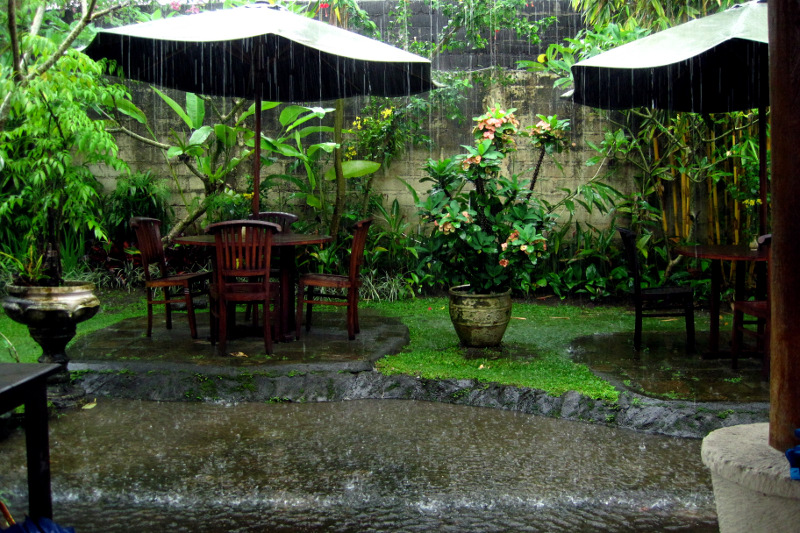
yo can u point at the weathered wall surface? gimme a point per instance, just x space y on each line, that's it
531 94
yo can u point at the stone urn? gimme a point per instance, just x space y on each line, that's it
51 314
480 320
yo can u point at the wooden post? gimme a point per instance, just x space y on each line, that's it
784 43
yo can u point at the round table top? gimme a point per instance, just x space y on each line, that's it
278 239
723 252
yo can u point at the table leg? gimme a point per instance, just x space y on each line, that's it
288 275
37 443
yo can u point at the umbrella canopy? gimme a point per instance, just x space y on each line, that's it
260 52
714 64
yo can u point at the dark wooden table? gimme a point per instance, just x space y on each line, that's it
26 384
718 253
287 241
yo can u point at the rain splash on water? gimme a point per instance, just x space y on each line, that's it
377 465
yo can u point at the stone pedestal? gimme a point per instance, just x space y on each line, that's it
752 487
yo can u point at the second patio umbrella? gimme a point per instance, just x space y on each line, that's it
714 64
260 52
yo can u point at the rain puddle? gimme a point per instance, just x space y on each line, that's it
369 465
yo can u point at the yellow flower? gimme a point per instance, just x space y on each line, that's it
542 58
386 113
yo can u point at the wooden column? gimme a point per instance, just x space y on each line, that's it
784 43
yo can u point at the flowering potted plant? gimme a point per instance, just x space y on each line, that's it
489 230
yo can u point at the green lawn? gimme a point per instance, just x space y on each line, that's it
535 348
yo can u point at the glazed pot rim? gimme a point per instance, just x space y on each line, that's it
68 287
463 290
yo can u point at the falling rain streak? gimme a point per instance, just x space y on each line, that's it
374 465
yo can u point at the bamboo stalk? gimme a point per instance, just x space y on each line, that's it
660 188
675 210
684 196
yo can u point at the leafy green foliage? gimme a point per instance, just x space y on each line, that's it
49 141
655 14
489 230
141 194
472 24
559 58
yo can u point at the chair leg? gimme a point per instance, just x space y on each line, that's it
309 305
168 307
150 296
213 315
222 328
267 326
637 331
298 310
355 311
352 319
187 296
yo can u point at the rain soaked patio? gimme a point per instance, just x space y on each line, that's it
291 462
312 439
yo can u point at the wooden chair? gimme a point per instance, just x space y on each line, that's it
761 313
349 283
656 301
285 221
244 254
148 236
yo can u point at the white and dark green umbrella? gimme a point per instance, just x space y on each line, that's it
714 64
260 52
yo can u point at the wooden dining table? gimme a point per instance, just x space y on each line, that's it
26 384
287 242
718 253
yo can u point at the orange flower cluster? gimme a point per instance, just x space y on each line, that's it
490 124
474 160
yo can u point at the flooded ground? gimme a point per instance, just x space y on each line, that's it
663 368
372 465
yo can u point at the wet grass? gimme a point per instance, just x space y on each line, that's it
535 350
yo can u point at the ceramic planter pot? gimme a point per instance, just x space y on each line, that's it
480 320
51 314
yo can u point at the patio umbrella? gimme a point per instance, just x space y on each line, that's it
260 52
714 64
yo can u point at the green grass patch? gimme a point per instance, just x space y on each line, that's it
535 352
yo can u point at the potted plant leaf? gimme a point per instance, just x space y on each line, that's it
49 144
489 230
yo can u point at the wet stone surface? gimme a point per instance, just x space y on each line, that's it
120 362
664 369
327 343
130 465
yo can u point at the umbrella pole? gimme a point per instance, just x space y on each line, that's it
257 160
762 169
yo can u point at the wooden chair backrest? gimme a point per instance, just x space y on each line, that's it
243 248
360 231
284 220
148 237
631 255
